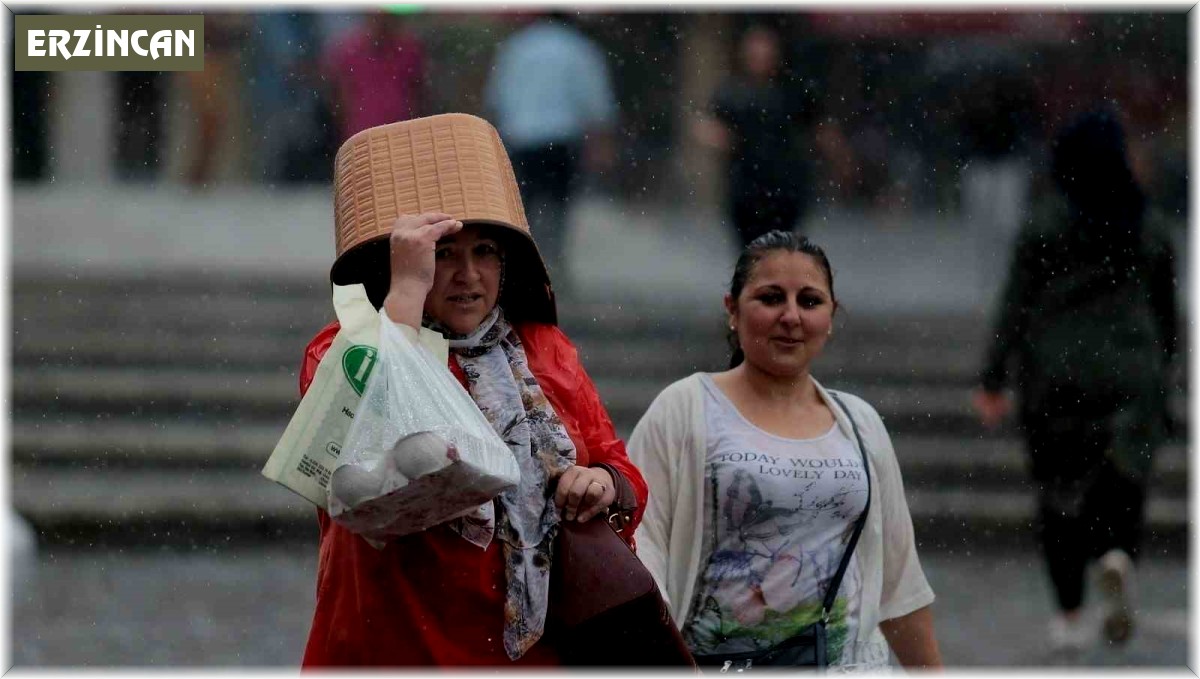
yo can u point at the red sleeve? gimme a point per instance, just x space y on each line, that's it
555 362
313 354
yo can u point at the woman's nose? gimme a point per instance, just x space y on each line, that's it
468 269
791 314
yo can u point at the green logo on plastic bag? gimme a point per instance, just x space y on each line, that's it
357 363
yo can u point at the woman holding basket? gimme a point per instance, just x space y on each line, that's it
429 220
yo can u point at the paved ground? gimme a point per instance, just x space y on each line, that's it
251 608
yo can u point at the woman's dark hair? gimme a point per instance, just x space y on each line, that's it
767 244
1091 168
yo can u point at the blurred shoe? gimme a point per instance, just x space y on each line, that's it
1116 575
1069 634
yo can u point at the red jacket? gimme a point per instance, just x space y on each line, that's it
433 598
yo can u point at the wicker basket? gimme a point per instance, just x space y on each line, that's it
453 163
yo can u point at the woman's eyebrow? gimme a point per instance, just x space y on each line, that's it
776 286
767 286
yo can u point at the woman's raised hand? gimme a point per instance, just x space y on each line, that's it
991 406
413 243
584 492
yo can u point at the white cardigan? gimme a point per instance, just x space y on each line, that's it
669 447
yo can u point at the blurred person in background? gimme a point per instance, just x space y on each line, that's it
376 74
758 490
757 122
1088 315
290 113
996 175
212 94
30 101
551 97
141 111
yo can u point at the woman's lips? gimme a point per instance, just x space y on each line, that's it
464 299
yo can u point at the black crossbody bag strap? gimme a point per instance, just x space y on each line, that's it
831 594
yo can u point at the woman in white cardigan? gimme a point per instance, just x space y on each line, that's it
757 482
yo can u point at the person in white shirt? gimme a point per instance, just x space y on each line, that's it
551 97
757 481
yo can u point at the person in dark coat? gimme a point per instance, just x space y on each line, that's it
1088 316
758 120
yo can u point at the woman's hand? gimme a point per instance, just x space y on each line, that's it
584 492
992 406
413 243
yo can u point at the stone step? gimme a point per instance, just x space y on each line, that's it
97 508
232 348
222 389
930 410
130 444
140 403
117 391
994 463
957 520
216 401
85 392
269 303
263 324
926 461
274 305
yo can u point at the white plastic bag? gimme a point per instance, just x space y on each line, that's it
419 452
308 451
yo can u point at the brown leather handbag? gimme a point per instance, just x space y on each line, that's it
605 609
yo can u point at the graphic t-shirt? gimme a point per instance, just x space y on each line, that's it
779 514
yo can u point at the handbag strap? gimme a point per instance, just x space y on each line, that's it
620 512
836 583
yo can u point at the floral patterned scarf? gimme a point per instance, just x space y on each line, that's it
524 518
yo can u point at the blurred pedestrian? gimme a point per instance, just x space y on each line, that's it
757 121
377 74
775 503
141 112
30 106
212 95
290 112
1088 314
552 99
140 115
996 175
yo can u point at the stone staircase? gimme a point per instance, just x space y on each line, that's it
143 407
